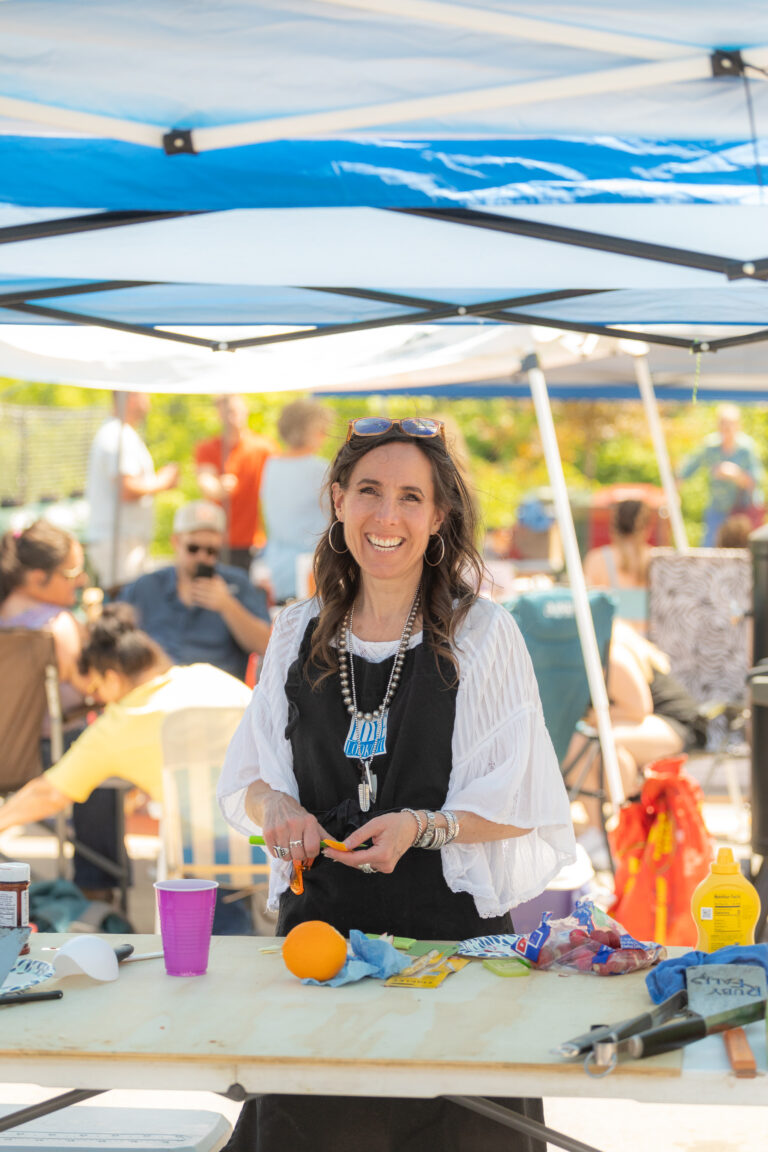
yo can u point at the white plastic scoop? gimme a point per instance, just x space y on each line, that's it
86 955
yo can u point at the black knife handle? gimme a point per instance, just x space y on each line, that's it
28 997
671 1036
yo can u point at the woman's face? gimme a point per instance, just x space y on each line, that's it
59 586
388 511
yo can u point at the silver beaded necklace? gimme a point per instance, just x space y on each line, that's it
367 735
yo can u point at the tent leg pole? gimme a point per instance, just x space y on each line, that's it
650 404
575 571
121 404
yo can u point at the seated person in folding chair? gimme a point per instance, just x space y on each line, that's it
41 570
136 681
652 714
622 566
198 610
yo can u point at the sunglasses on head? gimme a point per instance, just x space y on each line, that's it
421 427
193 549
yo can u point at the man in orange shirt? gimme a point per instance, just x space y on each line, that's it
229 469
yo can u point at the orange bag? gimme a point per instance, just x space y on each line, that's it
662 850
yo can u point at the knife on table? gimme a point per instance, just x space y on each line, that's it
654 1041
668 1008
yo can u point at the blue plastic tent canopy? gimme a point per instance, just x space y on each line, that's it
344 164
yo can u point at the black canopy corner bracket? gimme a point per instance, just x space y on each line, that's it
178 141
727 62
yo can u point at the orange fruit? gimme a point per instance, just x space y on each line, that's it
314 950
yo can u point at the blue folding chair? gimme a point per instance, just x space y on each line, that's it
547 620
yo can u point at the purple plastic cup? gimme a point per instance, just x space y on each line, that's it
186 909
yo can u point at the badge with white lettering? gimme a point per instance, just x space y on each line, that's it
366 738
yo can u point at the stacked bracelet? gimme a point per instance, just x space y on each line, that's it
433 837
419 824
453 825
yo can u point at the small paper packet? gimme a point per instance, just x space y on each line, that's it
431 976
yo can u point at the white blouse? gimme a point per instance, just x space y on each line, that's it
504 766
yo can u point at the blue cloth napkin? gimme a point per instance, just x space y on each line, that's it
669 976
369 958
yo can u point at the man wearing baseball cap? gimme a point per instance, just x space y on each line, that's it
198 610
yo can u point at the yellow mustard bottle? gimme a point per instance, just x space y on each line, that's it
725 906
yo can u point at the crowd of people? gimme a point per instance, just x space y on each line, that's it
396 637
166 636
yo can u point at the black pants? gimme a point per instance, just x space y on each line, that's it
94 823
388 1124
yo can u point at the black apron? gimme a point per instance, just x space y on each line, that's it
414 900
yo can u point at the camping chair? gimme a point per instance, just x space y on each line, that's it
547 621
699 607
195 838
29 682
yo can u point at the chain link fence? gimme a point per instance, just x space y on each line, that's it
44 451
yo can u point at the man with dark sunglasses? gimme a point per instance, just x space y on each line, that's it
199 610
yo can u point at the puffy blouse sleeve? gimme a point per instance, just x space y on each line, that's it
504 769
259 749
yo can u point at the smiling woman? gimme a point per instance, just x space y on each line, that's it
399 713
388 513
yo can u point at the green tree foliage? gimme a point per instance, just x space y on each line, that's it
601 443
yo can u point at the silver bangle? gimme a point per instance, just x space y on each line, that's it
419 824
439 839
453 825
428 835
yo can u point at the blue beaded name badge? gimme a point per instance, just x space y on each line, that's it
366 738
367 735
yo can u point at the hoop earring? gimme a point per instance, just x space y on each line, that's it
338 551
436 563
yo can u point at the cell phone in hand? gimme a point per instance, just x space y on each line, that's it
203 571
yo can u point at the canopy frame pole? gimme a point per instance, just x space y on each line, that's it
121 404
732 269
650 404
584 621
685 66
522 27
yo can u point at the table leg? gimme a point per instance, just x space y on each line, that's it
46 1107
512 1119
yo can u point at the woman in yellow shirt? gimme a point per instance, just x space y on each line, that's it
133 677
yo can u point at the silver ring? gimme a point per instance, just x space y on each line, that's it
296 843
367 868
279 851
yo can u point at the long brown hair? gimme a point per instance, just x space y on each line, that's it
448 589
630 520
42 546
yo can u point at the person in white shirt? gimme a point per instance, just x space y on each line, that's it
397 712
121 484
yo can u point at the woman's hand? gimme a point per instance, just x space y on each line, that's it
286 825
391 835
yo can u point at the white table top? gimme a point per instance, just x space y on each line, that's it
249 1021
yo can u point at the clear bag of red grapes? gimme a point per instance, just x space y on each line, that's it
588 940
